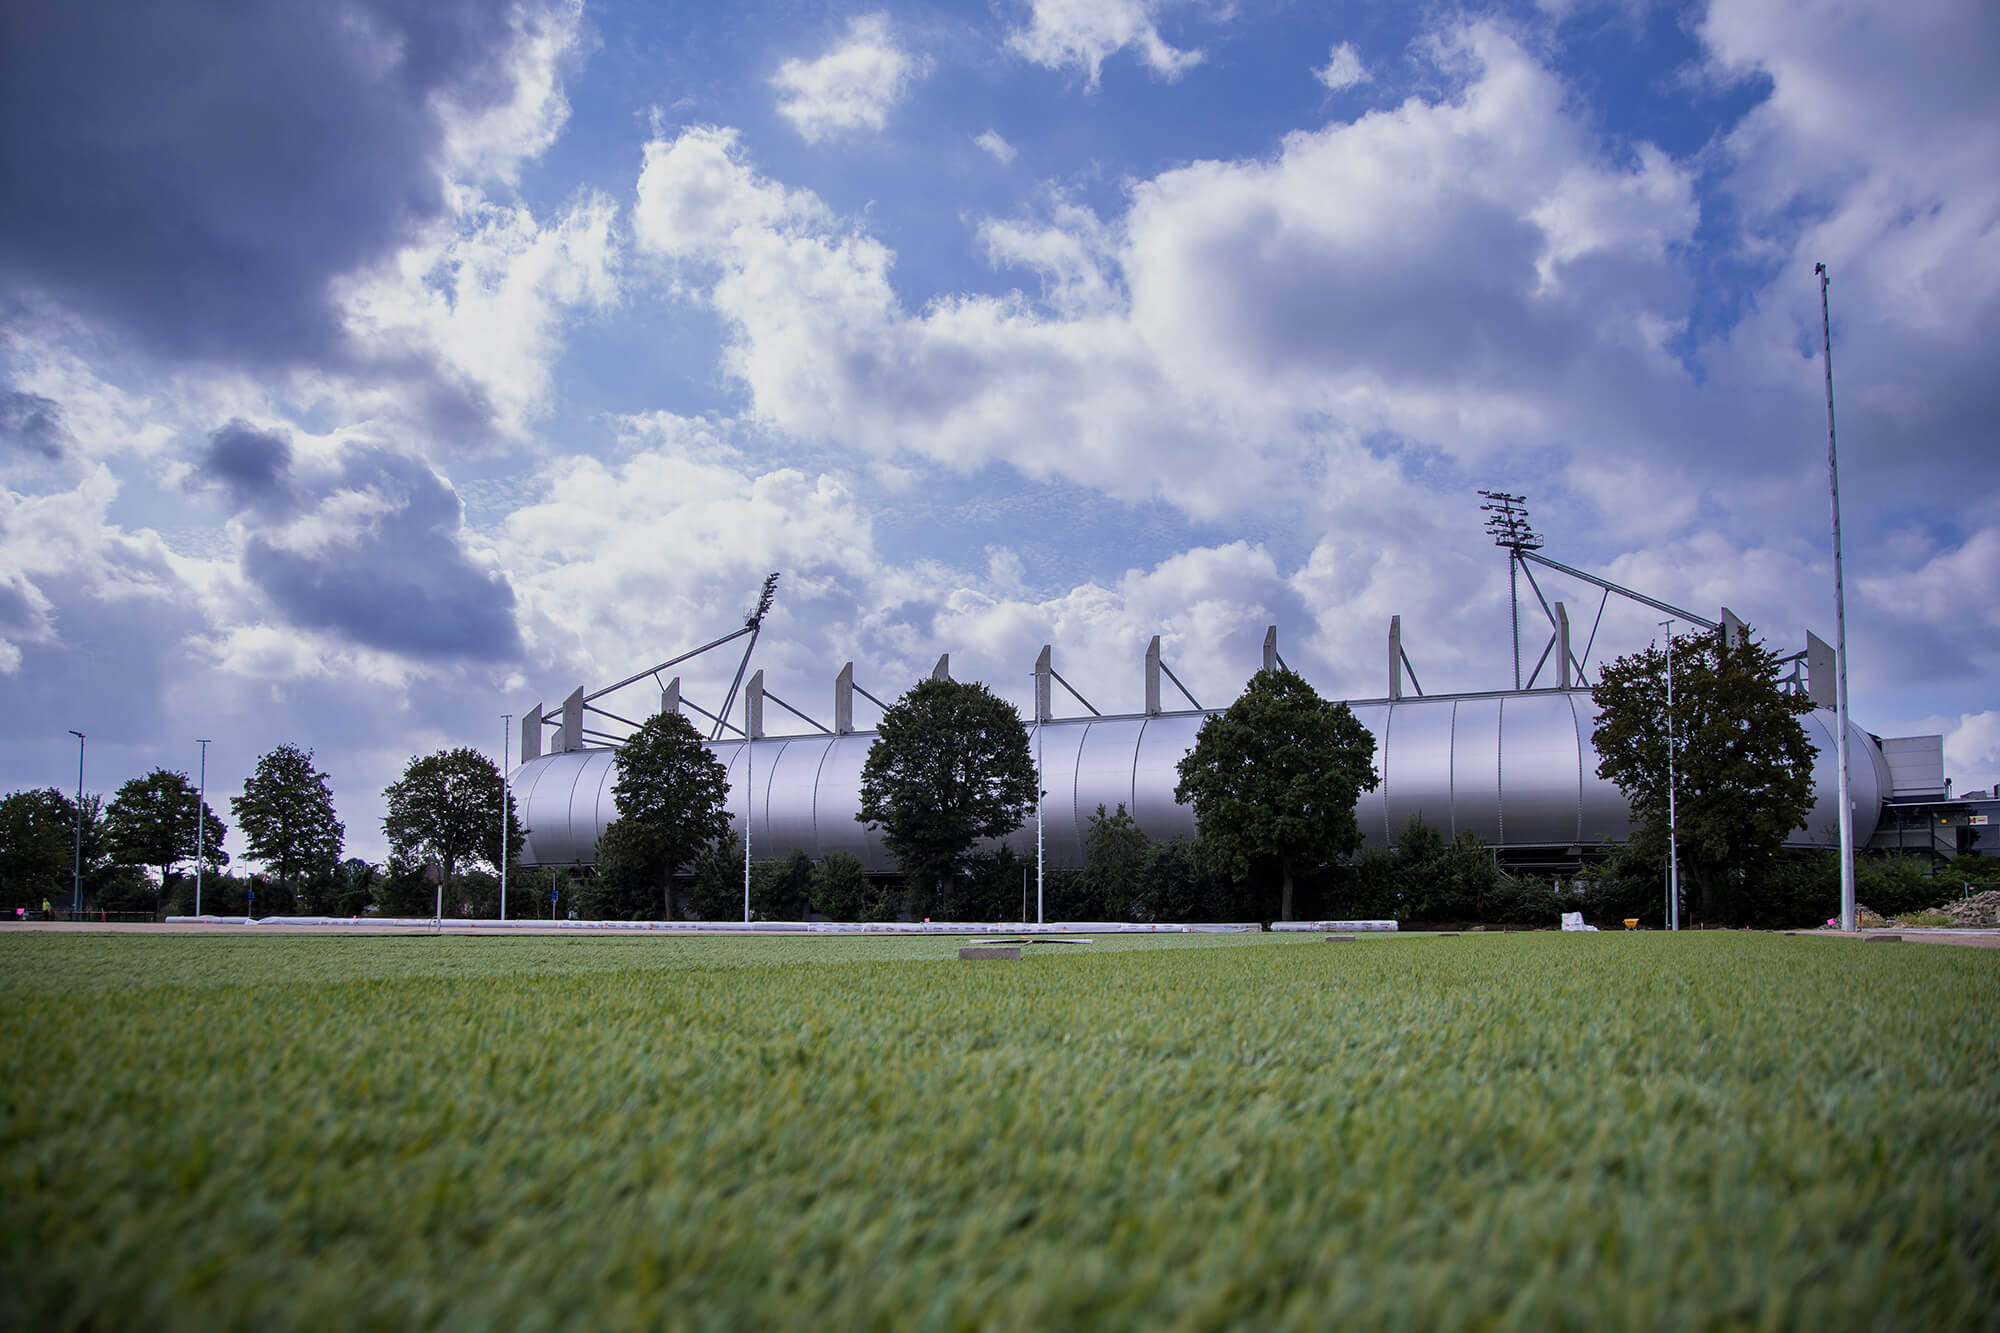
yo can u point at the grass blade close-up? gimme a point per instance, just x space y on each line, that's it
1507 1131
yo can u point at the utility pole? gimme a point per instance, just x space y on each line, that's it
1847 921
749 808
1673 820
76 886
506 803
200 810
1509 527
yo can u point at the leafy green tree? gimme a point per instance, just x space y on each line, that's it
1171 889
673 805
222 894
1275 777
1742 763
949 766
38 831
987 888
1114 865
151 822
840 887
445 811
716 891
37 847
1443 881
286 815
353 887
625 885
781 889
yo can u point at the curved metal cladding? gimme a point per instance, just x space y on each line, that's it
1516 769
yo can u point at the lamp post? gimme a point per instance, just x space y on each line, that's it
1847 921
506 803
200 808
1673 821
1039 795
76 883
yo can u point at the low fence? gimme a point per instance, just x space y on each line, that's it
755 927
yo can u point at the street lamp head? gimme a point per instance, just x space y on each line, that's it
74 732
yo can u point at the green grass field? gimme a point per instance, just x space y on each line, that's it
1517 1131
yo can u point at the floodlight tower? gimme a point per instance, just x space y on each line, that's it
1509 527
755 624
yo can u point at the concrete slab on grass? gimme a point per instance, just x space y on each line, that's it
991 953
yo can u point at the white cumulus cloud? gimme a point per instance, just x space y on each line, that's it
1002 152
1082 34
1343 68
852 86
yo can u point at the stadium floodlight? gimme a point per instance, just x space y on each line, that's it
1511 532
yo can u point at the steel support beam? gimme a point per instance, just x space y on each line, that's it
1395 657
1563 658
1536 557
843 701
806 718
753 704
572 721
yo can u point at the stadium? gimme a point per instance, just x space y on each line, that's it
1515 767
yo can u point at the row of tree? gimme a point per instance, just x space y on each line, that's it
1273 782
136 852
160 823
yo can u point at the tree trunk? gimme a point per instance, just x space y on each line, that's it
1285 903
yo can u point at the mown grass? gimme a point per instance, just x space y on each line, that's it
1504 1132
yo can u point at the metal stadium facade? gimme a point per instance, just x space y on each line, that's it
1515 767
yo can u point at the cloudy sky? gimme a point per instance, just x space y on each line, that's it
371 369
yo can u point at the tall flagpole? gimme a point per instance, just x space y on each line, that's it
1847 921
